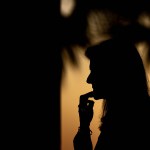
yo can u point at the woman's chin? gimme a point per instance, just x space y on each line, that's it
97 96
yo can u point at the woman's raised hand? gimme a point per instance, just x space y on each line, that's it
85 110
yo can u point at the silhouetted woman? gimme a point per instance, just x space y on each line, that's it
117 76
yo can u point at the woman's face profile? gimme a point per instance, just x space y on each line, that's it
98 79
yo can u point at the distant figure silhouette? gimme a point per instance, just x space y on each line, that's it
117 76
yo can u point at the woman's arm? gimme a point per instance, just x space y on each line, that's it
82 140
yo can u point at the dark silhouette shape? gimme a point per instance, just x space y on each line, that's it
117 76
34 86
72 31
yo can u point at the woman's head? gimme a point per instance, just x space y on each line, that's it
116 67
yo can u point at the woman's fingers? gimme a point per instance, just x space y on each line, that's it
86 96
84 102
90 103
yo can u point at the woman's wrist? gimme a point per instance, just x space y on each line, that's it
84 130
84 127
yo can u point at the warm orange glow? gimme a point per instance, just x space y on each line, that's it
143 49
74 79
144 19
73 85
67 7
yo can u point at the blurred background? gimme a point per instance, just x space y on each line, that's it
86 23
44 66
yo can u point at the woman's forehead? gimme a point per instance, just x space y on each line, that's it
97 64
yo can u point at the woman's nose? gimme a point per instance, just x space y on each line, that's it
89 79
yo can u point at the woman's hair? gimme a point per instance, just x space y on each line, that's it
125 71
122 63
